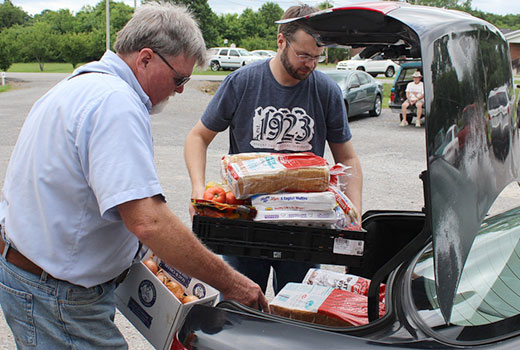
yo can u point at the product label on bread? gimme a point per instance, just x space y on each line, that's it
348 246
295 201
301 297
344 281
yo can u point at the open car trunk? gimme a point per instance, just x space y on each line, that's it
465 62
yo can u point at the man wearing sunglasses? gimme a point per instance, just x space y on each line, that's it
82 190
277 105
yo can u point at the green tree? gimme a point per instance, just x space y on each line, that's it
252 23
269 13
11 15
5 53
257 42
75 47
230 28
206 18
61 21
39 42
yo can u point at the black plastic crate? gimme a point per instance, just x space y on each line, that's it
280 242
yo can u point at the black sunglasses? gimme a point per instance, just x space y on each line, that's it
178 81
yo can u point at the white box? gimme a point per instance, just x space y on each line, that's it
152 308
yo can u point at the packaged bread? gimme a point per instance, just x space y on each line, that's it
322 305
344 281
248 174
323 201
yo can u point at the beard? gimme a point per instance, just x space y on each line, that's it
158 108
296 73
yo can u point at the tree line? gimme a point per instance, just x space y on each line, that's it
60 36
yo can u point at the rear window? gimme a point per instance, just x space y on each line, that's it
406 73
487 299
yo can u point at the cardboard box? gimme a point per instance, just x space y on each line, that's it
146 302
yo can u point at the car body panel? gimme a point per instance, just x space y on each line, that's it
264 53
229 57
358 88
454 283
374 66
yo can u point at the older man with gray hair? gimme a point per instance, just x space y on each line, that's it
81 191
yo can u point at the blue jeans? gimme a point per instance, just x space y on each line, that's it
258 270
45 313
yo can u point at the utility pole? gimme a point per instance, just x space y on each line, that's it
108 23
326 49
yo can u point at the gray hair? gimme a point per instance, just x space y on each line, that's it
163 27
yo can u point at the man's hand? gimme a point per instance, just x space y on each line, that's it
246 292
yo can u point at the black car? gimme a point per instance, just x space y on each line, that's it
452 271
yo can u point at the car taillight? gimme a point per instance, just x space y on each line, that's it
392 96
176 344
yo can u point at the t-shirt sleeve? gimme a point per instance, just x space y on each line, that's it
115 147
221 109
338 130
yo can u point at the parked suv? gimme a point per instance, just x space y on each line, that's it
398 92
373 66
229 58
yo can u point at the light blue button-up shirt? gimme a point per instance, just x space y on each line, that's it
85 147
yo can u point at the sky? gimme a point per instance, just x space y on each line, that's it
501 7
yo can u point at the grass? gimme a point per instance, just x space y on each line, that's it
386 94
4 88
34 67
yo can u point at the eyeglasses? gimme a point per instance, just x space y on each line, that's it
306 58
177 81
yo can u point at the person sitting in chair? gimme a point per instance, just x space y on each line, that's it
414 97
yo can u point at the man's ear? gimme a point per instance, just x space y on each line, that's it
143 58
280 39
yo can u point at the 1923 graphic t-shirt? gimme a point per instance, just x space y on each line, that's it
264 116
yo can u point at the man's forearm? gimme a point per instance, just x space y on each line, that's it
172 241
195 158
354 188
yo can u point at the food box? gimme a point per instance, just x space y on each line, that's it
150 306
281 242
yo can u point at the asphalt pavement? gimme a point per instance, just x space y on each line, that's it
392 158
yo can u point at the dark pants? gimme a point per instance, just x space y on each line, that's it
258 270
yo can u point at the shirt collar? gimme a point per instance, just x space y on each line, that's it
111 63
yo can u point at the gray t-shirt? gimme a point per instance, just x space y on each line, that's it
264 116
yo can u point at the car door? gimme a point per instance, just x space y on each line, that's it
376 64
223 57
368 91
355 95
235 60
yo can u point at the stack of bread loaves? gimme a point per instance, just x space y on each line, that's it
284 188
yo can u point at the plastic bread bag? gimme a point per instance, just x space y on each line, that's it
324 201
348 282
222 210
257 173
339 175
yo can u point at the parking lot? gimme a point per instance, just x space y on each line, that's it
392 158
